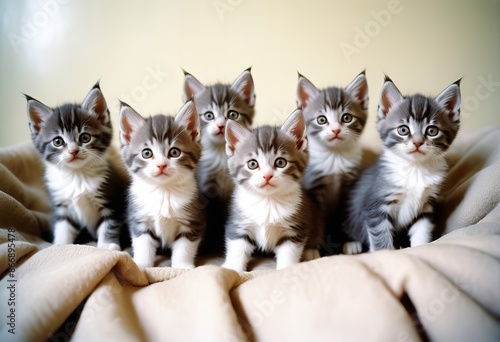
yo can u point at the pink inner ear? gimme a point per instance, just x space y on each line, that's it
126 130
35 118
303 97
386 103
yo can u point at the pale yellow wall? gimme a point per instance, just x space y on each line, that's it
55 50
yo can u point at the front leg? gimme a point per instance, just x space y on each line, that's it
108 235
65 232
144 247
380 233
184 252
238 253
288 253
421 231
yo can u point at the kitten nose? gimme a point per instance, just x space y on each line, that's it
73 152
336 130
162 167
418 144
267 177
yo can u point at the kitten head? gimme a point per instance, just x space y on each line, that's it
418 127
335 117
160 149
71 136
268 160
220 103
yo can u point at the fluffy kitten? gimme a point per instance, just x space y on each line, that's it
165 209
216 105
398 193
335 119
269 208
86 192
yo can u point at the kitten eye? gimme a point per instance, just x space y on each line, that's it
403 130
432 131
85 138
174 152
233 115
346 118
280 162
322 120
147 153
57 142
209 116
252 164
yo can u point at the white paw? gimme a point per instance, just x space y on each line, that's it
188 266
311 254
353 247
143 264
109 246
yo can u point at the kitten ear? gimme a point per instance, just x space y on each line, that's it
38 113
235 134
192 86
306 91
359 89
188 117
389 97
130 122
244 86
295 126
450 100
95 104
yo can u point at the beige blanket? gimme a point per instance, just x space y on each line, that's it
448 290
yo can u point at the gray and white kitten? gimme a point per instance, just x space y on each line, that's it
335 119
269 209
165 209
398 193
216 105
86 191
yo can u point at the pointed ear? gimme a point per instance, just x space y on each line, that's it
295 126
188 117
130 122
38 113
95 104
243 85
235 134
192 86
306 91
358 88
389 97
450 100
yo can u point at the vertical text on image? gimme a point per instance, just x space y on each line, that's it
11 281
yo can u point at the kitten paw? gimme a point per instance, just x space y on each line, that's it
352 248
186 266
310 254
109 246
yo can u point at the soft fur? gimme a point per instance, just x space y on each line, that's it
270 209
165 208
399 192
86 192
335 120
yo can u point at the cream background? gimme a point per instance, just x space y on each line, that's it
55 50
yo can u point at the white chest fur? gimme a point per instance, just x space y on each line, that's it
268 218
417 182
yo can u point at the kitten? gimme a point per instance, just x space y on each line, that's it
269 208
398 193
85 190
216 105
335 119
165 208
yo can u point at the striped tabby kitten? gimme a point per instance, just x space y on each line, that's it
216 105
335 120
165 208
398 193
269 207
86 192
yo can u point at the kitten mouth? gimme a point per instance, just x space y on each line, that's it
267 185
417 152
335 138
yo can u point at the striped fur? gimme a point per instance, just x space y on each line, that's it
165 208
217 104
269 209
399 192
335 120
86 191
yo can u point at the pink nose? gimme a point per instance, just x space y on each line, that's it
336 130
267 177
417 144
73 152
161 167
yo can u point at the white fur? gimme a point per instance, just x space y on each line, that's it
288 254
352 247
238 254
144 247
64 234
421 232
184 252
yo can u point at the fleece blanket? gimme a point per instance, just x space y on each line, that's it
448 290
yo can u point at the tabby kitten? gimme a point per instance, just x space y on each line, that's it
216 105
335 120
85 190
269 208
398 193
165 209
